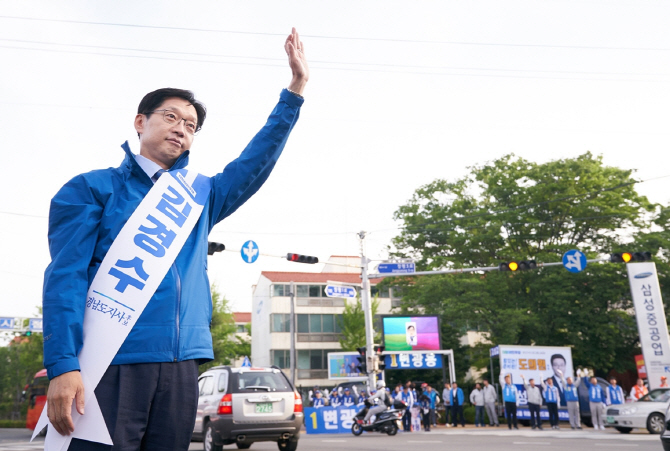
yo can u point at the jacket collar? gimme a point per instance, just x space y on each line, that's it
133 166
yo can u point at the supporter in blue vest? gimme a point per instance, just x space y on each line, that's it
408 398
318 400
614 393
596 401
572 399
511 400
335 400
361 398
551 400
347 398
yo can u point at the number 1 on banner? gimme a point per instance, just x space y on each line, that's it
313 417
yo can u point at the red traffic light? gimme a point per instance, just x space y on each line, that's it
302 258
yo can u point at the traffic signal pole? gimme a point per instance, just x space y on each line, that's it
367 309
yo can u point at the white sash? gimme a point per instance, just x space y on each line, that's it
128 277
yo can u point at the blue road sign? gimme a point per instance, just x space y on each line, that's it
337 291
574 261
249 251
396 268
6 323
494 351
35 324
246 363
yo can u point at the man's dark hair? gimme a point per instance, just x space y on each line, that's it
156 98
557 356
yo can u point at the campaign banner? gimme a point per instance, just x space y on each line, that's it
651 322
411 333
535 361
330 420
639 363
414 361
524 414
344 365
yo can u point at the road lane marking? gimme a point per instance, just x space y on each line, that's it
424 441
531 443
613 444
334 441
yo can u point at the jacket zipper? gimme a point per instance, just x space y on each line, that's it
178 287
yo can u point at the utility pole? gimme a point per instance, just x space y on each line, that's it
367 309
292 331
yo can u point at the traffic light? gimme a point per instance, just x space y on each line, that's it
518 266
627 257
302 258
27 333
213 246
362 360
381 361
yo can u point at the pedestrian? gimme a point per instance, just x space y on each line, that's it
154 373
434 399
335 400
511 400
408 399
456 397
638 390
551 398
664 382
596 403
614 393
490 399
477 400
534 397
446 398
424 401
347 398
572 399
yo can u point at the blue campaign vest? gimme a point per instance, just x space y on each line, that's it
595 393
509 393
318 402
571 393
615 395
551 394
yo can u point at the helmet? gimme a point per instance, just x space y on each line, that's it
381 384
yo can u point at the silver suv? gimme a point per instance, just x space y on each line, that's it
247 405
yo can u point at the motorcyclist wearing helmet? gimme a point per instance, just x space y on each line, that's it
381 395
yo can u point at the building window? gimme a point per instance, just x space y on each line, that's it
281 290
281 358
314 359
281 322
381 292
314 324
311 291
241 328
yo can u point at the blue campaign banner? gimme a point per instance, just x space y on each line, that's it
524 414
330 420
427 361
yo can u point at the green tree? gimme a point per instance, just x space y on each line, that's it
513 209
352 324
227 346
18 364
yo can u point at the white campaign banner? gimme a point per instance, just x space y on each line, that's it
130 273
651 322
535 361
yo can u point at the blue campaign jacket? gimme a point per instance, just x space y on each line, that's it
87 214
459 394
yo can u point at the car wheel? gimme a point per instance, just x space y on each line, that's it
208 440
356 429
392 430
287 445
656 423
624 430
243 445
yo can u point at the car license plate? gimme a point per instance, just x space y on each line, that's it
263 407
610 419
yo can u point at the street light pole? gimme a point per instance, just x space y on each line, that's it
367 309
292 361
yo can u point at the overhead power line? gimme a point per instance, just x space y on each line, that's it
351 38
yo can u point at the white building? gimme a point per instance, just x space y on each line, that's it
316 322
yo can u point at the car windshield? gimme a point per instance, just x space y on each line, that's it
262 381
658 395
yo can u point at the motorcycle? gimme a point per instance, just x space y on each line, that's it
388 421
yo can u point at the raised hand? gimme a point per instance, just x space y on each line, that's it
297 62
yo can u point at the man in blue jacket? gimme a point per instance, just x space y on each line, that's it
511 399
456 397
148 395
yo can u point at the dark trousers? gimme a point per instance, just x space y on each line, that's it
447 411
147 406
535 420
426 420
510 414
479 415
456 412
407 421
552 407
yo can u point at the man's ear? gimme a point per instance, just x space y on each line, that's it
140 121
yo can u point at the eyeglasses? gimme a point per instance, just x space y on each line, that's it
171 117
